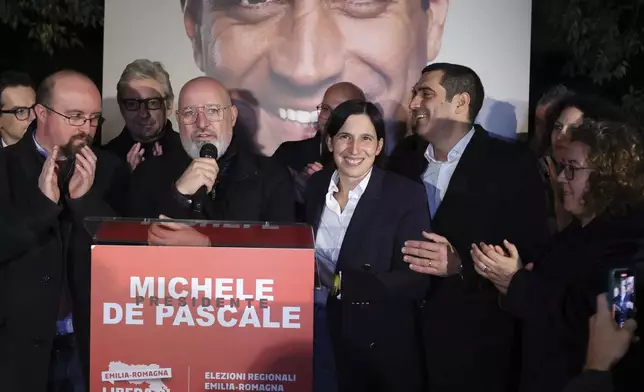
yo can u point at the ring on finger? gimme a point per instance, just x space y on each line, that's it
429 263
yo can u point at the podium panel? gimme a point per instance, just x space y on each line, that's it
189 318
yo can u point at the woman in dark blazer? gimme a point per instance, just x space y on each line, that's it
603 188
362 216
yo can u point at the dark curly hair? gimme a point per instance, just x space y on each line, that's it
616 185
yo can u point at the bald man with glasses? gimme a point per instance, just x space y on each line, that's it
50 180
240 185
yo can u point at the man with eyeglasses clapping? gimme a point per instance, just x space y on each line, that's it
50 180
145 99
214 176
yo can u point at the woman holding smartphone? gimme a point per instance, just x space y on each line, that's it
362 215
603 189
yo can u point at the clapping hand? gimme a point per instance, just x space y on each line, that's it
84 173
496 263
48 180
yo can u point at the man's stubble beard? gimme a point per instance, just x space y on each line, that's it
71 148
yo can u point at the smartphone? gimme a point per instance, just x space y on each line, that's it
622 298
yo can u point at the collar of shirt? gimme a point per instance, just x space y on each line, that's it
456 151
3 143
40 148
356 193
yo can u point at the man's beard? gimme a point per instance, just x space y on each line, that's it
193 148
73 146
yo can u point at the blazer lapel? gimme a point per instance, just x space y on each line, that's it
317 206
365 211
461 182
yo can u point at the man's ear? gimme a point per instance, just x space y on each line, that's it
192 31
436 16
169 106
462 103
41 112
233 114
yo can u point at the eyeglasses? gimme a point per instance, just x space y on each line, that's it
323 110
134 104
21 113
570 170
78 121
189 115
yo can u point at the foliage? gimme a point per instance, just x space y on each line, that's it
604 43
52 23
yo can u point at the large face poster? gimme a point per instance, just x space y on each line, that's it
278 57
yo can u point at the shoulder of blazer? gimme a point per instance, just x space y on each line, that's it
320 181
270 169
402 191
499 150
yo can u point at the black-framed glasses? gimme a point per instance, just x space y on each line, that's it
77 120
570 170
21 113
134 104
323 110
189 115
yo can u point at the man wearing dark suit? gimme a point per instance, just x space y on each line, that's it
479 188
50 181
305 157
241 185
145 99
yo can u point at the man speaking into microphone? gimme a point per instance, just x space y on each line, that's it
214 177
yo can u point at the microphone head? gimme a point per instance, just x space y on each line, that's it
208 150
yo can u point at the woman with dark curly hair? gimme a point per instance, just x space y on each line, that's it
603 188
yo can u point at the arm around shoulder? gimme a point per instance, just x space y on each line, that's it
400 282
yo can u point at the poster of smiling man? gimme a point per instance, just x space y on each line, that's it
278 57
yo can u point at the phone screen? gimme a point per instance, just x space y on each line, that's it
623 295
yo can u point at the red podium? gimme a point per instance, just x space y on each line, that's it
227 307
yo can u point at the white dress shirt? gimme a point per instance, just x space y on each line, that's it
438 174
333 226
3 143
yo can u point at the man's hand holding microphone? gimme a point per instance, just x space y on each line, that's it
200 177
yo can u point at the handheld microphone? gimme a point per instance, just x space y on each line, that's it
208 150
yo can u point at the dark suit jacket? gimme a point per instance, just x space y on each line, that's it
374 326
250 188
297 154
591 381
494 194
122 144
49 246
555 301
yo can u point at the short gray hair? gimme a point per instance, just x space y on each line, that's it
146 69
